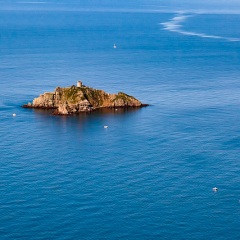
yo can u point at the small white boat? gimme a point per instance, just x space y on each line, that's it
105 126
215 189
14 115
114 45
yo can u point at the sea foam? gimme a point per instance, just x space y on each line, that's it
175 24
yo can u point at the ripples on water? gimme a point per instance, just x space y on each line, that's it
150 174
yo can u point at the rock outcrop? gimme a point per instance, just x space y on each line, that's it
75 99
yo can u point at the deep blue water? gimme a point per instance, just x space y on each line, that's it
150 174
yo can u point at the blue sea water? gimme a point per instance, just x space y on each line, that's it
150 174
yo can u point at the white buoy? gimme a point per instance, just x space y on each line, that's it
215 189
14 115
105 126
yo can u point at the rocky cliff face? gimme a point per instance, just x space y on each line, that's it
74 99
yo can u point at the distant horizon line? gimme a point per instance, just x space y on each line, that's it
119 10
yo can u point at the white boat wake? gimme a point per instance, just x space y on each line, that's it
176 25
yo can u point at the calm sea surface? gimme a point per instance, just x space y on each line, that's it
150 174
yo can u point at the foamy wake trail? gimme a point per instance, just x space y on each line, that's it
176 25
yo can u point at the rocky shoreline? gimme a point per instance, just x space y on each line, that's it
80 98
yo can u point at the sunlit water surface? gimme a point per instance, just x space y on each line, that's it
150 174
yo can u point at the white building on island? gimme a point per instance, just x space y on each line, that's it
79 84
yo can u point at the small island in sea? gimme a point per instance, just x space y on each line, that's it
80 98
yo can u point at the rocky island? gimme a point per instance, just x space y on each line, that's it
80 98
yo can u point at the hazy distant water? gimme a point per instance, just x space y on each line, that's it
150 174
